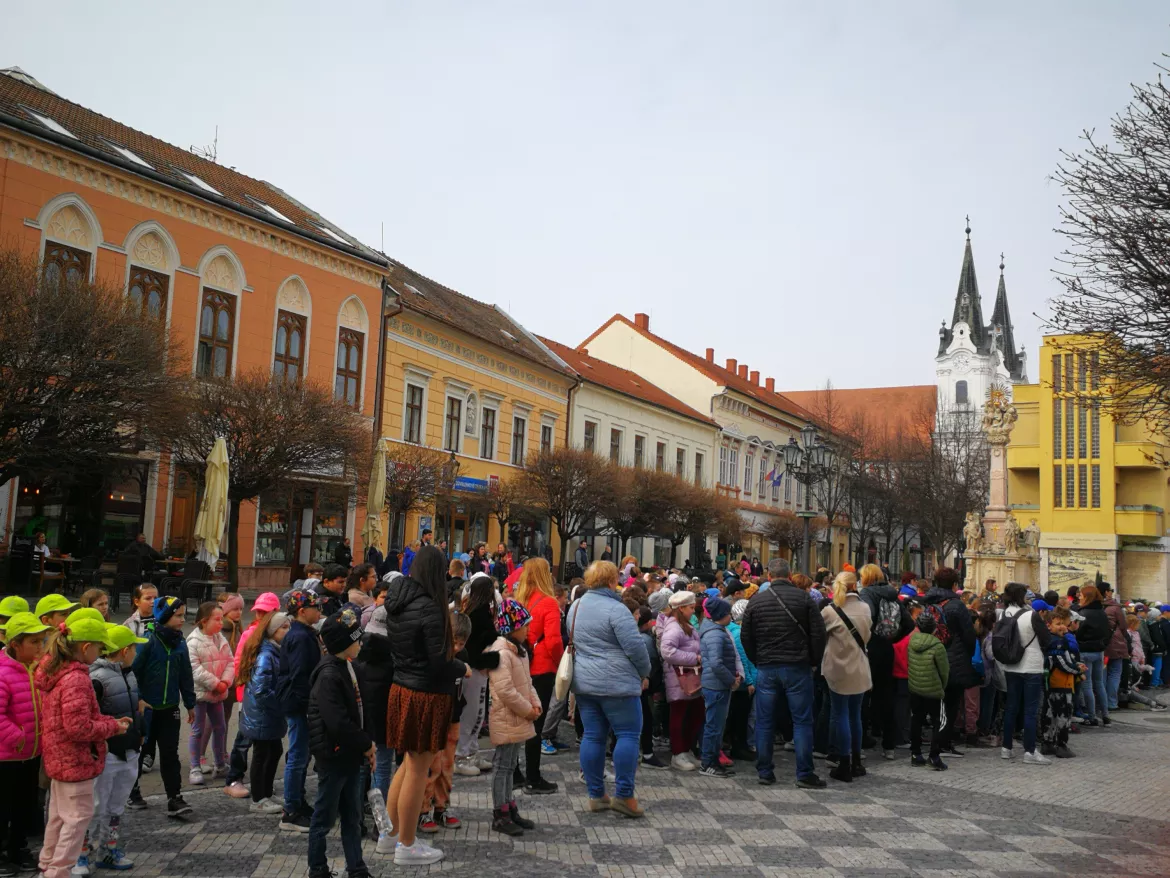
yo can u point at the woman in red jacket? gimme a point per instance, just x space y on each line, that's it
535 593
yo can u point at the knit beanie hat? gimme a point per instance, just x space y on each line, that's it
340 631
717 608
681 599
511 616
659 601
165 607
276 621
232 602
737 611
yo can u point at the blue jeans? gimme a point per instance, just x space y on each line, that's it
383 768
1156 676
1096 701
846 723
600 714
1024 692
296 762
793 683
1113 681
717 701
339 792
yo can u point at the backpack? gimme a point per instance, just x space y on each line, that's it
888 623
941 631
1005 640
977 659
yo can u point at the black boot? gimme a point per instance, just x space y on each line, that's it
514 814
857 769
502 822
843 772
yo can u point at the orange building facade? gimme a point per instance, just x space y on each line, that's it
246 278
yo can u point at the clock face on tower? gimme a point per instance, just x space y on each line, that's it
962 361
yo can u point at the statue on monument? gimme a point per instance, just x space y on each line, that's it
1011 536
973 533
999 416
1032 537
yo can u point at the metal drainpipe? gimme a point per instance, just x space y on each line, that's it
380 387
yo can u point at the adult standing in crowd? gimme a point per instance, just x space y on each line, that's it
1093 637
783 635
611 668
581 557
535 593
1117 649
846 669
959 640
681 659
343 554
1025 678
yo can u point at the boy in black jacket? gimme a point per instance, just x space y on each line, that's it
340 744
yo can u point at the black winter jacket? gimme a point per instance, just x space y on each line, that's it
881 651
1157 638
336 734
417 629
1096 631
375 669
329 602
483 635
300 651
961 649
770 637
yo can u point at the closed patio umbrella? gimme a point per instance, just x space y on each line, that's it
375 499
213 511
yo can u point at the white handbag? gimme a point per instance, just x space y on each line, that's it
564 677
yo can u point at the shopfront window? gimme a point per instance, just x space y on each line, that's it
301 525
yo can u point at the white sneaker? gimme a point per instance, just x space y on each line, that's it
266 806
694 760
386 843
1035 758
418 854
1005 753
481 763
466 768
681 763
196 777
205 766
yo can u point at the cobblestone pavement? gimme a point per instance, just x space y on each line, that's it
1105 813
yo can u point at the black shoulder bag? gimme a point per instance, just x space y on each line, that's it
852 629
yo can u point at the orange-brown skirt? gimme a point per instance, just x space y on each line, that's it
417 722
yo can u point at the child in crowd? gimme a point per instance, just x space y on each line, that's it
117 695
929 671
20 738
721 676
163 670
375 667
645 618
264 606
1138 667
143 615
212 671
437 796
97 599
515 705
1063 671
53 609
75 734
9 607
339 745
299 654
262 719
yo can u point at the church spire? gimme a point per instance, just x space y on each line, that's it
968 306
1001 325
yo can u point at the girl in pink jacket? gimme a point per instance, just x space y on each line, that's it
212 671
20 733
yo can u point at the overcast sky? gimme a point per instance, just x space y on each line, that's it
785 182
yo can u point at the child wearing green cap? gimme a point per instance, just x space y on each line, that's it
20 738
74 735
53 609
9 607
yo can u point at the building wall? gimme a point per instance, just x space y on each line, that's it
48 193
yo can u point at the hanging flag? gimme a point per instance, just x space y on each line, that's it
772 476
779 478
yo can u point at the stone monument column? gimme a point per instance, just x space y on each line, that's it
999 416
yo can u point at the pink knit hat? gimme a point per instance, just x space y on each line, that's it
266 603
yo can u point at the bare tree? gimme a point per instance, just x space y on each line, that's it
638 503
502 497
694 512
786 529
570 486
84 374
275 432
839 429
413 480
1116 268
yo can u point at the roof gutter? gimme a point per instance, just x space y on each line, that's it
74 145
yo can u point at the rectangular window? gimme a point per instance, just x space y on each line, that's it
546 438
1082 372
723 464
615 446
1057 485
1069 437
1096 469
347 381
519 440
1068 372
217 328
748 463
1095 370
639 451
1095 430
800 495
788 489
147 289
289 359
1082 430
776 484
454 424
1056 367
1082 486
590 436
1057 446
763 477
1069 486
680 462
698 468
660 456
487 435
412 428
732 465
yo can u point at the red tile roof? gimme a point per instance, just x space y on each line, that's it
622 381
94 133
714 371
877 411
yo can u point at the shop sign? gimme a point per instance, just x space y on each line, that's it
473 486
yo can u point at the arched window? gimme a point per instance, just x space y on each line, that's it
222 280
960 393
70 238
150 266
352 328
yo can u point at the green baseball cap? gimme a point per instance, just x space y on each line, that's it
118 637
54 603
23 623
87 630
12 605
85 613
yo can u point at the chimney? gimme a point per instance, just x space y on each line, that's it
755 378
742 371
710 355
770 383
730 365
642 321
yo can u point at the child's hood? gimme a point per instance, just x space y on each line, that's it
502 644
47 682
923 643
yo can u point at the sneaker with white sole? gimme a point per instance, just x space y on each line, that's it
481 763
680 762
1005 753
266 806
196 777
237 790
205 766
417 854
1035 758
547 749
116 861
81 869
466 767
147 764
386 843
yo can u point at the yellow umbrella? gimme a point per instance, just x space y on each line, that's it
214 508
375 499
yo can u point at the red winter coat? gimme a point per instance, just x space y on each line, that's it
545 634
74 730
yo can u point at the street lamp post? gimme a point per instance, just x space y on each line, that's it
809 462
449 475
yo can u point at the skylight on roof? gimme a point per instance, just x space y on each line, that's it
415 290
206 187
272 211
332 234
52 124
508 335
128 155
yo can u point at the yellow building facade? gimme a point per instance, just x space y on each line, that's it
1090 482
464 378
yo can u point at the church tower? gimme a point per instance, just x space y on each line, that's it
973 356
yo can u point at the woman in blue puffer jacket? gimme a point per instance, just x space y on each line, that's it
262 720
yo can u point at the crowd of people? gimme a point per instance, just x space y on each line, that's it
387 684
